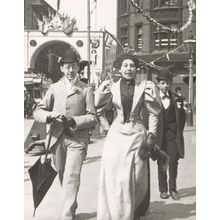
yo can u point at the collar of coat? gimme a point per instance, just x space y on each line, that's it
138 91
77 86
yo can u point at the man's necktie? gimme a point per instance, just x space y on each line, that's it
165 96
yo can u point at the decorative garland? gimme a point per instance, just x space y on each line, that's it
140 10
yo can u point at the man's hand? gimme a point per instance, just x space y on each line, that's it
52 116
69 122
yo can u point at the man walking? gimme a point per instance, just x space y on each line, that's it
169 134
68 107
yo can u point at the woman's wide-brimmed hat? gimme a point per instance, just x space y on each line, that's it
70 56
164 74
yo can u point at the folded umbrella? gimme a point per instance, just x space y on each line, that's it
42 175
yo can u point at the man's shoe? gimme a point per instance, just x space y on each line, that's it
164 195
175 195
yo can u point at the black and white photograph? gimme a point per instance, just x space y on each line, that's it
110 110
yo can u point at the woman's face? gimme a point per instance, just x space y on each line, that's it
128 69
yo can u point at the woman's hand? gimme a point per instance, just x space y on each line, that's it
150 141
106 84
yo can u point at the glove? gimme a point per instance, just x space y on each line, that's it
69 122
52 116
150 141
145 150
106 85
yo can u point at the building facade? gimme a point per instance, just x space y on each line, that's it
151 42
47 34
36 9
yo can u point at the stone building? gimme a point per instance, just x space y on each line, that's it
151 42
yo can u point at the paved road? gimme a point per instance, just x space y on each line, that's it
159 209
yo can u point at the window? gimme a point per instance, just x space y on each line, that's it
139 38
124 36
168 2
124 6
164 40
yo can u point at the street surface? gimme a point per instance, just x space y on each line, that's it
169 209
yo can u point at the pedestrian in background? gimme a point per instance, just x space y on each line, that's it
180 99
124 176
73 102
169 134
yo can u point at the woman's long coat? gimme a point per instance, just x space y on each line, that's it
124 177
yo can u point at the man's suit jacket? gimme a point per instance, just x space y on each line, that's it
180 123
77 103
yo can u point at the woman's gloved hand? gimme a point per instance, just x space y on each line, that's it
106 84
146 148
150 141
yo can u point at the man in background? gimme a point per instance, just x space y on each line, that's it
169 134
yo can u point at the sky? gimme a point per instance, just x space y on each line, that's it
106 13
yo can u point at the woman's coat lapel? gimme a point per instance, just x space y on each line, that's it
138 91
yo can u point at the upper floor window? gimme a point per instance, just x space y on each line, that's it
168 2
164 40
161 3
124 36
139 38
123 6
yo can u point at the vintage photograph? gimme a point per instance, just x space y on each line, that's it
109 109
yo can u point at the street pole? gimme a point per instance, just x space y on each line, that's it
88 40
190 104
190 43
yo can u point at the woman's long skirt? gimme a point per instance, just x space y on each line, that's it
124 177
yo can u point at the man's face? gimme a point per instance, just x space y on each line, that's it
164 85
128 69
70 70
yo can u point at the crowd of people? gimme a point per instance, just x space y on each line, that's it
29 104
148 124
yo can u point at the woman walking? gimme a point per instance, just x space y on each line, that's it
124 176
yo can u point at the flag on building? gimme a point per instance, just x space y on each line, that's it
107 41
113 38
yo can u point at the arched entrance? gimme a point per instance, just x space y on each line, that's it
45 59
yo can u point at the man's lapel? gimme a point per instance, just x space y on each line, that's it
61 86
74 87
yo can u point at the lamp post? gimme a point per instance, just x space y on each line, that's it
190 44
88 39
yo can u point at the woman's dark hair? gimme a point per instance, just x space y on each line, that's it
118 62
